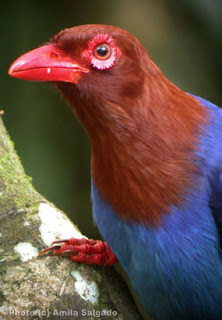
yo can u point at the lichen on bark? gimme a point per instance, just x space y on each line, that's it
51 287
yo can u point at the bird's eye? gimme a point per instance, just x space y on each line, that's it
103 51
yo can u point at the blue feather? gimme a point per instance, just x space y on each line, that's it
176 268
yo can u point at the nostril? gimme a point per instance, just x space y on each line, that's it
54 55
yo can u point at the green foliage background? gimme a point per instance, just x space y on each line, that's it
182 37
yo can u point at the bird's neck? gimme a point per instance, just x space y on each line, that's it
143 153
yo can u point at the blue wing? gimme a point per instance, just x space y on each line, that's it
213 155
216 201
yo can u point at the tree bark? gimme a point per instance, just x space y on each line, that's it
51 287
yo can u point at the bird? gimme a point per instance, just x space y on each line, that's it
156 168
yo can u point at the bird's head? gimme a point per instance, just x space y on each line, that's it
94 66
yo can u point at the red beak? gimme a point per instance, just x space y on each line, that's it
47 63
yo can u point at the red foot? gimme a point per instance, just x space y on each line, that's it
84 250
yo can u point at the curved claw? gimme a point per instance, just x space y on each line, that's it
53 247
49 249
61 241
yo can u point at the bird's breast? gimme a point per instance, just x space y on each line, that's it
166 265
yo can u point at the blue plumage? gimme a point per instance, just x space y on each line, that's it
176 268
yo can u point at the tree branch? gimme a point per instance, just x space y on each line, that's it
51 287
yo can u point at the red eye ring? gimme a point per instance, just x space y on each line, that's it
102 51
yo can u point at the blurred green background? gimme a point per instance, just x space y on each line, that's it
183 38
